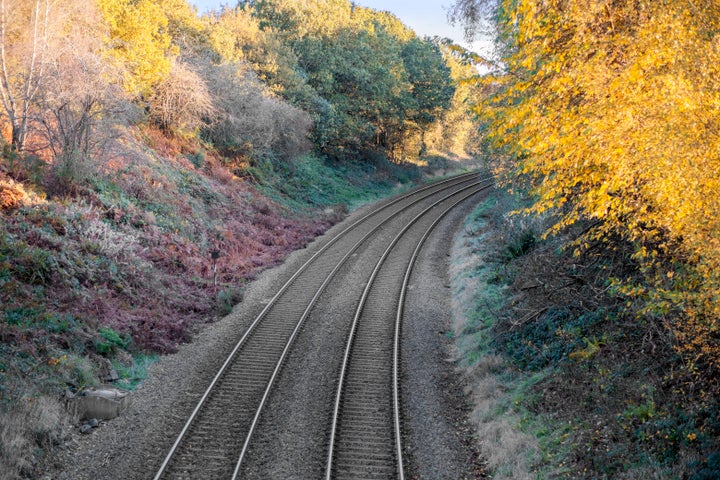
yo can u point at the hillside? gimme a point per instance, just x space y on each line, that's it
155 160
595 312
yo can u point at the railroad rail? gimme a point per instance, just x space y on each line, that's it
366 434
241 387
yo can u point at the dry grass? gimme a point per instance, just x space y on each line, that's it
12 194
27 432
510 453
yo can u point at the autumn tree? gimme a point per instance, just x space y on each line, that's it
457 131
24 38
182 102
236 35
56 87
249 117
138 40
78 106
610 111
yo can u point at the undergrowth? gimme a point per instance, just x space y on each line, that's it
126 265
568 381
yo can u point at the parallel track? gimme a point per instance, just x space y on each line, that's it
207 449
366 434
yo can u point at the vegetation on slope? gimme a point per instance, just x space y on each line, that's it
153 161
601 117
567 382
93 284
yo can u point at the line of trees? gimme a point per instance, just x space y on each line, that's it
277 76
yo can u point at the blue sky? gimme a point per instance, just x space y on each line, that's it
426 17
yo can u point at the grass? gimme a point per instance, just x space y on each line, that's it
134 371
309 182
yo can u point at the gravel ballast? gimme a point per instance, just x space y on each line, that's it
439 442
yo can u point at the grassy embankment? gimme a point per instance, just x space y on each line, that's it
95 284
564 384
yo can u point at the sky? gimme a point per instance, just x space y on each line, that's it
425 17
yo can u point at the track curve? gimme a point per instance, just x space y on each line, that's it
237 393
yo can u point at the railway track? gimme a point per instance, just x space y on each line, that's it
240 390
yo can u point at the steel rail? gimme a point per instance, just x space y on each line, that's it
291 339
398 325
358 313
459 179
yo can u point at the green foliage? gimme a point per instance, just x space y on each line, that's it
110 341
550 338
368 82
430 79
318 183
197 159
29 317
707 469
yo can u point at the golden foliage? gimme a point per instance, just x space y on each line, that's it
612 110
140 41
12 194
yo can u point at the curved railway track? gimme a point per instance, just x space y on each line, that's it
366 435
239 391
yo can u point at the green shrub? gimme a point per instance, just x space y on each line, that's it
34 265
132 375
110 340
548 339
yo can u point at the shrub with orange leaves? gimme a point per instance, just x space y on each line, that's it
12 194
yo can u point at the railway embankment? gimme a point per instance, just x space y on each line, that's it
135 445
563 384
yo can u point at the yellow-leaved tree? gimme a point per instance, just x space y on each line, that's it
139 41
611 112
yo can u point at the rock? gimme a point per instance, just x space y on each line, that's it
85 428
103 402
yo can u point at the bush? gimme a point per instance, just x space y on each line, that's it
182 103
248 115
110 341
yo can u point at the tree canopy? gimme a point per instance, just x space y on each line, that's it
365 83
609 114
374 84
